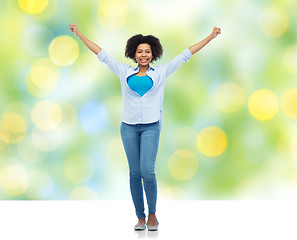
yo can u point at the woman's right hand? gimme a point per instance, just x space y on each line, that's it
73 28
92 46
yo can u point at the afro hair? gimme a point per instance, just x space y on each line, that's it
134 41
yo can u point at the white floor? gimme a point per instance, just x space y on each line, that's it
205 220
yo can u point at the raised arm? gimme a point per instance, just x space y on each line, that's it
92 46
196 47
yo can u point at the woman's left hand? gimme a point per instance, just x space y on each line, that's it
215 32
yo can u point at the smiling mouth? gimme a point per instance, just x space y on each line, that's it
144 60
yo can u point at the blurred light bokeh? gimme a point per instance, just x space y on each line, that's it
229 115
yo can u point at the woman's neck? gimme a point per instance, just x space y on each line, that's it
143 69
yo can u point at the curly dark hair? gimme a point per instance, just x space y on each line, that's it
134 41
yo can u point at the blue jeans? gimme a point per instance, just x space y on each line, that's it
141 142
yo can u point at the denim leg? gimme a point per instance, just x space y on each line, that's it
149 143
131 141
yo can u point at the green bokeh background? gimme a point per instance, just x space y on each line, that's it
86 160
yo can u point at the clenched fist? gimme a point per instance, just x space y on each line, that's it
215 32
73 28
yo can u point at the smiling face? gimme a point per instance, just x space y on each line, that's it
143 54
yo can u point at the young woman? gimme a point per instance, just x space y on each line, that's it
143 92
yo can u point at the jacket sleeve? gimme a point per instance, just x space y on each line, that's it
113 65
176 62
